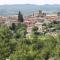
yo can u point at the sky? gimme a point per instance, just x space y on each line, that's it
38 2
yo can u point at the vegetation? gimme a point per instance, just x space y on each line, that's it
15 44
52 27
20 17
58 13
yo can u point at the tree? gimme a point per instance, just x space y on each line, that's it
20 17
58 13
35 29
13 27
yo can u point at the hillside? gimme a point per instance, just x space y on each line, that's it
26 8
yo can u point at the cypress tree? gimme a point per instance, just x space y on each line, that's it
20 17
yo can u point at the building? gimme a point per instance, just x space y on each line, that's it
52 17
2 19
8 20
11 19
39 25
34 20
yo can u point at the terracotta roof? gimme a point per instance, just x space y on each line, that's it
51 17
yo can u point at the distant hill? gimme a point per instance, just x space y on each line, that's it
26 8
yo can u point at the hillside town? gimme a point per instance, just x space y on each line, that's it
29 29
32 37
36 19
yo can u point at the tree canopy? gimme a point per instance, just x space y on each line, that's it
19 46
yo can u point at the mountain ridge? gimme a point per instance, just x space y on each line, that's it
26 8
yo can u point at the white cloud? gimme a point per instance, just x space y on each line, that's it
29 1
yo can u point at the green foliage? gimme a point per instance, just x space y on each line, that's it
16 46
13 27
6 46
57 26
35 28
